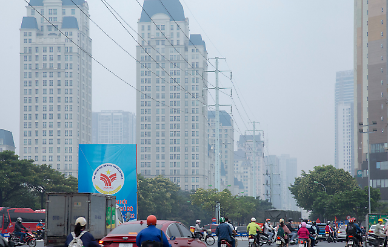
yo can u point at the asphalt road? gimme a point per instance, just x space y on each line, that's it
244 243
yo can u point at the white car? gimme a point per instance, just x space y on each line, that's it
341 233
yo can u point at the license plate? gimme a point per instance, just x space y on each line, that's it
222 245
278 242
350 242
126 245
251 240
301 245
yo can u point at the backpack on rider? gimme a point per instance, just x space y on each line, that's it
280 232
351 230
76 242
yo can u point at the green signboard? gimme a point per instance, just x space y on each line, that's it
373 218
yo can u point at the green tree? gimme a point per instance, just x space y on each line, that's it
24 184
342 196
45 179
14 174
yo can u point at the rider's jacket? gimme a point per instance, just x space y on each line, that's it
223 231
379 230
197 228
328 229
252 228
151 233
19 226
303 232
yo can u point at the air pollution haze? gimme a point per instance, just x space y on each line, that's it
284 56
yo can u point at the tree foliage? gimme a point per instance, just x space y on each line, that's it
24 184
164 199
342 196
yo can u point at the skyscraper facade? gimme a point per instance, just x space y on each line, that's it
250 159
226 150
171 106
370 93
344 121
114 127
55 83
6 141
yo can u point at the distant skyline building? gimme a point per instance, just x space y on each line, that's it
272 184
171 107
288 169
6 141
226 150
114 127
370 93
344 121
245 170
55 83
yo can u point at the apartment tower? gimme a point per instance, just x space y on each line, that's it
114 127
370 93
344 121
55 83
172 104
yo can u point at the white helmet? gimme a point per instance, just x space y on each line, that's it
253 219
198 221
19 219
81 221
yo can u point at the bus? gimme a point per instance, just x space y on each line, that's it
8 218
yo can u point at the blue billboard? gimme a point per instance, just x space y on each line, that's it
110 169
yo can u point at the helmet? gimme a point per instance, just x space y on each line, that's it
222 220
19 219
314 223
380 220
351 220
328 222
81 221
151 220
267 219
290 220
303 224
198 221
253 219
40 220
281 221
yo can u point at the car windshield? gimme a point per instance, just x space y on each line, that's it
343 227
130 228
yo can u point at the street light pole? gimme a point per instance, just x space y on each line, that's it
367 156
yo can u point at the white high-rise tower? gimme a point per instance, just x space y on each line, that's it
171 132
55 83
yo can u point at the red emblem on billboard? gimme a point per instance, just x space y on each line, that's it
108 180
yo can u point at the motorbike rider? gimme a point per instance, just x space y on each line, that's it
79 231
224 232
148 236
293 231
253 228
268 229
285 231
18 229
40 228
198 229
379 231
386 234
329 230
303 233
312 231
352 229
227 221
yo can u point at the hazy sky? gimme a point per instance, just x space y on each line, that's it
284 55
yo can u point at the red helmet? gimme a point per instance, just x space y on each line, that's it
351 220
268 220
151 220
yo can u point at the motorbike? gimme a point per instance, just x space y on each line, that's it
225 243
207 237
329 237
352 241
280 241
375 240
29 239
302 242
39 234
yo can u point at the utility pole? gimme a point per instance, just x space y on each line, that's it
254 179
217 175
